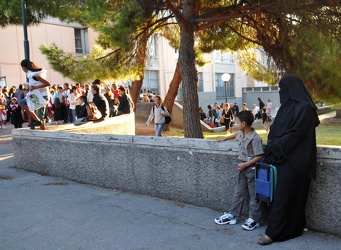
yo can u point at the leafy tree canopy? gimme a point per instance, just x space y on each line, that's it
296 36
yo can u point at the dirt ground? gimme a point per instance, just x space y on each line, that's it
142 129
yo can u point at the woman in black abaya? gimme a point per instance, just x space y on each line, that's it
292 149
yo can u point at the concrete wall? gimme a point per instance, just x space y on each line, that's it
195 171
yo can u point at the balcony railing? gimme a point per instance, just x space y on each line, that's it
260 89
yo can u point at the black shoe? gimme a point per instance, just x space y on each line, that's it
36 123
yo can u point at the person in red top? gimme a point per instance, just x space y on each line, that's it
115 92
80 91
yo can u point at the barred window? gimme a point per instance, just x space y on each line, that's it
81 41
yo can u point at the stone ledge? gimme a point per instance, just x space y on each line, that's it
123 124
195 171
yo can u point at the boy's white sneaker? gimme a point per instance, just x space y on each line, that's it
226 218
250 224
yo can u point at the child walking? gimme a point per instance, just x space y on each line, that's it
16 117
250 151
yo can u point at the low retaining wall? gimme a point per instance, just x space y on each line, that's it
194 171
119 125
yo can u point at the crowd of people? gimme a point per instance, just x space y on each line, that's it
147 95
225 114
218 116
69 103
65 103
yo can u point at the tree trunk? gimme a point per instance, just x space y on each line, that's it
188 71
172 92
173 89
141 54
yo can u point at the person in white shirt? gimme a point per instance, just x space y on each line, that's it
36 80
74 101
255 111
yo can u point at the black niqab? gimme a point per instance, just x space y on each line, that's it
292 90
292 149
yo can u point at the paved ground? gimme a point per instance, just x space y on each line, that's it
42 212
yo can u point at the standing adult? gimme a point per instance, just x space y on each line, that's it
59 108
19 93
236 108
255 110
234 113
210 115
74 102
261 104
36 80
10 96
3 104
5 92
159 112
228 117
66 92
269 108
292 135
219 114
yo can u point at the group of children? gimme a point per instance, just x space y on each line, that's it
14 110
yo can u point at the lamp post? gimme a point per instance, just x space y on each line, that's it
26 43
226 77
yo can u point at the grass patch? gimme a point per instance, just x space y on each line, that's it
326 134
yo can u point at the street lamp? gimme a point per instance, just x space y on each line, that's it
26 44
226 77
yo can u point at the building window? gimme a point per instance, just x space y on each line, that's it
152 46
151 81
224 90
81 41
222 57
200 82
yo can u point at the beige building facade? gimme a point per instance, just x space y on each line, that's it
160 66
48 32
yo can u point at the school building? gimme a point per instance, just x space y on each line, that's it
160 66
